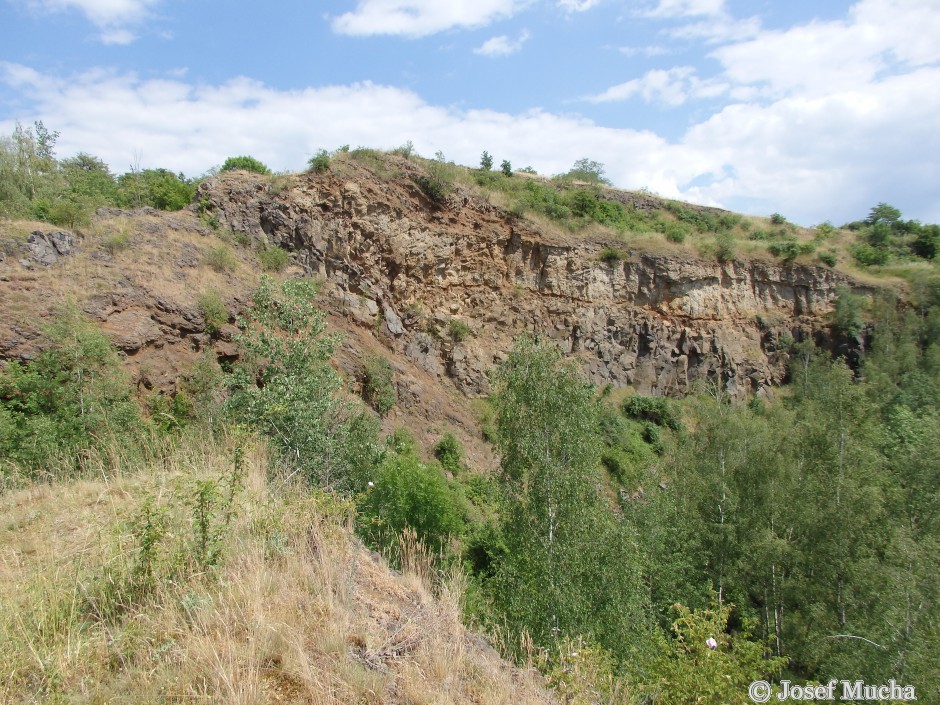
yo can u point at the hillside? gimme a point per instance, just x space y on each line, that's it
596 410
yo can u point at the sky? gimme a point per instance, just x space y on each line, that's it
816 110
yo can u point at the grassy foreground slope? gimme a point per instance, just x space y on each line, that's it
201 580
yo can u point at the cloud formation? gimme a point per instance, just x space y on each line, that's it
419 18
112 17
502 45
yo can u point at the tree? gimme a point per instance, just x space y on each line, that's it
506 167
287 389
486 161
588 170
571 567
245 163
320 162
883 213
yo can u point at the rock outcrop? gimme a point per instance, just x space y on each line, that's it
423 275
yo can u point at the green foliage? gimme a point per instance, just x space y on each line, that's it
611 256
847 314
273 259
777 219
868 255
157 188
449 451
438 180
69 401
320 162
724 250
926 244
410 494
220 258
378 384
570 566
458 330
661 411
828 258
486 161
286 388
244 163
213 310
883 213
587 170
686 670
506 167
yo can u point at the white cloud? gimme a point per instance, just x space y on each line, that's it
104 13
652 50
418 18
671 87
119 36
578 5
112 17
502 45
721 28
686 8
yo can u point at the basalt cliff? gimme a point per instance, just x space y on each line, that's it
450 284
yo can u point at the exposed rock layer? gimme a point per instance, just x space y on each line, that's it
395 262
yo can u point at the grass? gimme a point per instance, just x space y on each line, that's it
296 612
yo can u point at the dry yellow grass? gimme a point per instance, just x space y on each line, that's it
298 611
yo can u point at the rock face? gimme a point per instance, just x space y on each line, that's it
395 262
47 247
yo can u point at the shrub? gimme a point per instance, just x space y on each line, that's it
378 386
725 247
828 258
273 259
449 452
438 182
611 256
786 250
506 167
116 242
660 410
213 311
220 258
777 219
676 232
847 313
486 161
320 162
73 398
458 331
868 255
409 494
245 163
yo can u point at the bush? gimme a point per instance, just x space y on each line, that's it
409 494
458 331
213 311
506 167
378 386
486 161
220 258
438 182
786 250
659 410
273 259
320 162
828 258
245 163
73 398
725 247
449 452
777 219
611 256
868 255
116 242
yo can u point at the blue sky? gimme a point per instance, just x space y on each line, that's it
817 110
